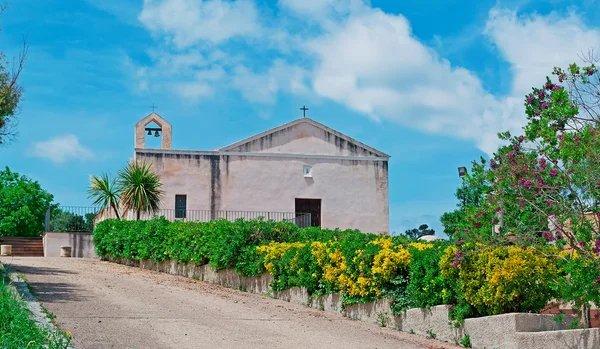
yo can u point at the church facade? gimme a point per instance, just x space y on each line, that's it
302 167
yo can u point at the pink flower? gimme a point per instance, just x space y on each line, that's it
544 105
590 71
530 99
553 173
547 236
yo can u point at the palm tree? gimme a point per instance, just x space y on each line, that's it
141 189
104 192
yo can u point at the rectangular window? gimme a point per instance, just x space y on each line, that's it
180 206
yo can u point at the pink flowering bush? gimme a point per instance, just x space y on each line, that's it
543 186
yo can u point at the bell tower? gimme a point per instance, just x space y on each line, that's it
164 130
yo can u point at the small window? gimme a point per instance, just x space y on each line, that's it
180 206
307 171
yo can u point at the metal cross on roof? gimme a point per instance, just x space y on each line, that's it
304 109
153 107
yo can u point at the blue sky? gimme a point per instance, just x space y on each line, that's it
430 83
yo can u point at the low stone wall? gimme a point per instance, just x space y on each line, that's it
81 244
576 339
208 273
506 331
426 322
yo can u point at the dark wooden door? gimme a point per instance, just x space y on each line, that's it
312 206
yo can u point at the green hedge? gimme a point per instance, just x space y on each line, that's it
220 243
362 267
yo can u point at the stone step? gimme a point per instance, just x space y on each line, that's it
24 246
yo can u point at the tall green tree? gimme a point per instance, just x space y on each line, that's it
23 205
416 233
141 189
470 196
105 193
10 92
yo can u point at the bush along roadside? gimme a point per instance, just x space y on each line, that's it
475 280
18 328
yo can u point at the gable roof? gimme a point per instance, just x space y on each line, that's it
234 146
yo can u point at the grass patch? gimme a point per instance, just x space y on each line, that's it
19 330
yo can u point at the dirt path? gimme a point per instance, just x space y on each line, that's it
107 305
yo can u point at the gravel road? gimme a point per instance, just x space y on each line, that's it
107 305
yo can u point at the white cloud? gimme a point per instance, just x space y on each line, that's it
263 88
361 57
534 44
189 22
322 10
61 149
189 74
372 63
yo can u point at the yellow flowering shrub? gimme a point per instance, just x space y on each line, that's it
498 280
420 245
274 251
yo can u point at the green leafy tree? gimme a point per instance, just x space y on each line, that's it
416 233
470 195
141 189
544 184
62 221
105 193
10 92
23 205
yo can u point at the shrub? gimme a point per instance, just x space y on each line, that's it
497 280
18 329
476 280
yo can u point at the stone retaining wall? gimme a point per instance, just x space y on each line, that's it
506 331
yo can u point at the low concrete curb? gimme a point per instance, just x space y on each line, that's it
506 331
21 288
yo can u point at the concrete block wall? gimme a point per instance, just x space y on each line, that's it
506 331
81 244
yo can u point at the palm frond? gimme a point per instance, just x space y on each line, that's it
141 189
104 192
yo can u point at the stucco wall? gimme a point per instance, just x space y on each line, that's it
304 138
353 193
81 244
265 173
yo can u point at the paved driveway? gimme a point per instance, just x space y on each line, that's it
106 305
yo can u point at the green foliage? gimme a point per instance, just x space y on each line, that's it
221 243
474 281
23 205
498 280
427 286
17 328
140 188
104 192
416 233
10 92
71 222
466 341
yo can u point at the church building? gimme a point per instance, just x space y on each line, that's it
301 167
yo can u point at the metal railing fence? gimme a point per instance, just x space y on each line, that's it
83 219
70 219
